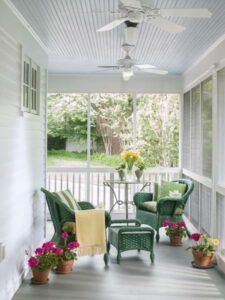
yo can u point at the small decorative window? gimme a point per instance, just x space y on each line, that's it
26 84
30 86
34 90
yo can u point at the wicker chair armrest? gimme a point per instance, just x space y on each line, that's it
68 216
173 202
85 205
134 229
130 221
142 197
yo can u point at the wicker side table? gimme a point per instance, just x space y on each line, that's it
127 235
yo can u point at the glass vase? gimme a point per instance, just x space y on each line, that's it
130 175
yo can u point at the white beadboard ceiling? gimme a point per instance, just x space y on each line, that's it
68 29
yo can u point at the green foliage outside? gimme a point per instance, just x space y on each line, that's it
96 158
157 127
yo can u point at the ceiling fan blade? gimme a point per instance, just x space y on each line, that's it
109 67
100 71
112 25
131 3
157 71
191 13
147 3
144 67
166 25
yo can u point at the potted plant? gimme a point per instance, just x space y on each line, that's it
43 261
67 256
121 171
203 250
175 231
140 167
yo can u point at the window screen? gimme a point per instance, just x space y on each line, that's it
207 127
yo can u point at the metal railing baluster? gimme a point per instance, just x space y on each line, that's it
75 179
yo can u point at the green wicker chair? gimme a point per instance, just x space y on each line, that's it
166 207
61 213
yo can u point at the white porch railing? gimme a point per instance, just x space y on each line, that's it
86 184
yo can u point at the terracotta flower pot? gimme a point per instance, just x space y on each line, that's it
40 276
176 240
202 260
65 267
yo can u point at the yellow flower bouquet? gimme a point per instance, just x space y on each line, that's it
130 158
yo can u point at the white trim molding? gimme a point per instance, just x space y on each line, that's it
201 179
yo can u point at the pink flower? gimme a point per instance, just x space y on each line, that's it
195 236
39 251
48 246
166 223
73 245
64 235
32 262
58 251
181 224
173 225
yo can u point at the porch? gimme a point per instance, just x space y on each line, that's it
51 47
171 277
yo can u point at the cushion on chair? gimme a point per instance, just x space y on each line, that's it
68 199
167 187
152 207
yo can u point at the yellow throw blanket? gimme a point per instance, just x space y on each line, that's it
90 231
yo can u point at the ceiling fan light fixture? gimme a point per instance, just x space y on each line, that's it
127 74
131 35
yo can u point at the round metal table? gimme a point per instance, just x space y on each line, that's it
111 183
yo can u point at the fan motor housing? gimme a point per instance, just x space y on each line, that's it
126 62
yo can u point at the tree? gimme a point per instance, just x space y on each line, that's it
158 129
112 125
67 117
112 114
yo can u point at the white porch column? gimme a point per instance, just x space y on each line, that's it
134 102
214 150
88 148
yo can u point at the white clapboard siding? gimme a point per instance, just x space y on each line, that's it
22 167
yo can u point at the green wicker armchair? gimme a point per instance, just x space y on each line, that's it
61 213
166 207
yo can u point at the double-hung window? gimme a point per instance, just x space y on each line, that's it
31 86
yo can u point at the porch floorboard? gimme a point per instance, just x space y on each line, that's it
171 277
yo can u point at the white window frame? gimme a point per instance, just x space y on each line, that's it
26 61
31 88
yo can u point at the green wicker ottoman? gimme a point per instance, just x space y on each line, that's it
127 235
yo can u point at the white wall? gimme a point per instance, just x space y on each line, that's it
62 83
22 154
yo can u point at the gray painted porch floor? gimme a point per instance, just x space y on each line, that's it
171 277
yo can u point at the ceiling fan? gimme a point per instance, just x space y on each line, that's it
137 11
128 65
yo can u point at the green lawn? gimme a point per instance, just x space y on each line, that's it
96 158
